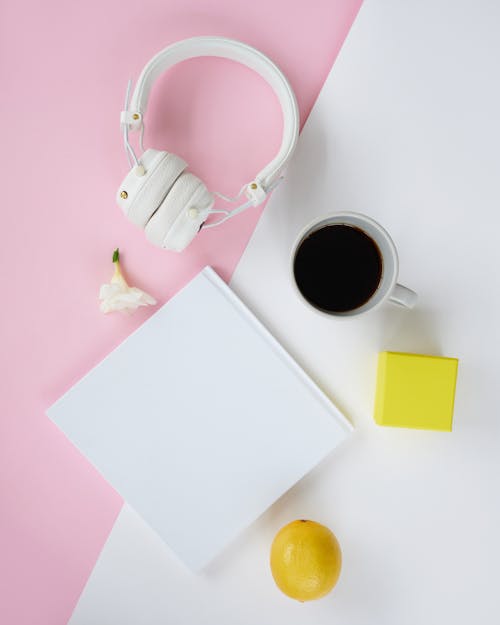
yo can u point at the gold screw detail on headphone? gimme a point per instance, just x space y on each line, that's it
124 195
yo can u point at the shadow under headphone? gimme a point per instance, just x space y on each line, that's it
158 194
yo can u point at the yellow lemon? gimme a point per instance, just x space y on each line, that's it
305 560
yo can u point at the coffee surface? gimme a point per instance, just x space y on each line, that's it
338 268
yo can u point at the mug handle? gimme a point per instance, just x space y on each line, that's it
403 296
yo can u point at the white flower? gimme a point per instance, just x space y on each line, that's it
118 295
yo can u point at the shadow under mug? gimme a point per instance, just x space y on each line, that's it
388 288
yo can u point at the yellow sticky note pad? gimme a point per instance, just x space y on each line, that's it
415 391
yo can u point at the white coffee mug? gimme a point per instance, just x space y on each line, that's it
388 288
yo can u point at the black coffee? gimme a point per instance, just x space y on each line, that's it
338 268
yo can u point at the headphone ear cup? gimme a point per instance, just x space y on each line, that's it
140 196
181 214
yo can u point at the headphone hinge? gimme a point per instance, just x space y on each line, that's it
256 192
132 119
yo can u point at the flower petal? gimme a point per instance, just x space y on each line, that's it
119 296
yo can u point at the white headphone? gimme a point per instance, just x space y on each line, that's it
158 195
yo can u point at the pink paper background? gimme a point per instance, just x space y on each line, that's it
63 70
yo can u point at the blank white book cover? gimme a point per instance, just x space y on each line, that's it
200 419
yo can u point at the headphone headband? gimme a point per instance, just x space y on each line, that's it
236 51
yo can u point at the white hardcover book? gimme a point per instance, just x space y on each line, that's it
200 419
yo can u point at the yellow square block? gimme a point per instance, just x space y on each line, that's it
415 391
